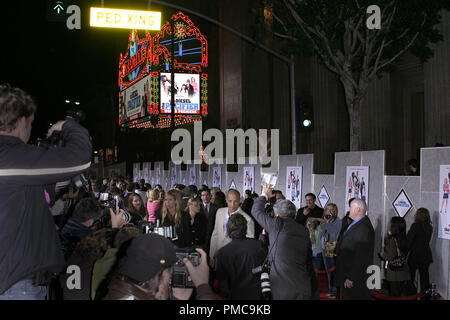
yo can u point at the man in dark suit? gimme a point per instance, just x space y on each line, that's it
309 211
210 211
235 261
292 275
356 254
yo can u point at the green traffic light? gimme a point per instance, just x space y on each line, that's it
306 123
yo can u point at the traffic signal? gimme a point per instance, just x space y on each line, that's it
305 113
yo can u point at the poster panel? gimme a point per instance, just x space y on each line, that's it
217 177
294 185
192 176
444 190
357 185
173 176
136 172
249 179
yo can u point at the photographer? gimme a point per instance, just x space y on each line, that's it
87 217
291 274
30 248
145 273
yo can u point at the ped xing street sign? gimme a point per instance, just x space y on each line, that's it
125 19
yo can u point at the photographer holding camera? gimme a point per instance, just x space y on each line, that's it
145 273
290 256
30 250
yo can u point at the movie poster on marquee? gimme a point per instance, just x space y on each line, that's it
187 93
444 209
294 185
217 177
192 176
173 176
133 101
249 179
357 185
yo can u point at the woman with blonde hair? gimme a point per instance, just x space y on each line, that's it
172 216
154 204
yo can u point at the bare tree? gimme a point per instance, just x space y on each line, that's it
337 32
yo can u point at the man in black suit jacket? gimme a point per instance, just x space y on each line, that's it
235 261
292 275
309 211
210 211
356 254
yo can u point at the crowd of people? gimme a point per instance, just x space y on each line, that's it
116 239
235 235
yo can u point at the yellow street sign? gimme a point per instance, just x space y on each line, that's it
126 19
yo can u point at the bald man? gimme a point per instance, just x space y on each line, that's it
356 254
219 236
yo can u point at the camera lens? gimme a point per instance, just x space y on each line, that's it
328 216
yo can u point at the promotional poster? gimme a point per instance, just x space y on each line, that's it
357 185
133 101
135 172
217 177
158 175
173 176
192 176
249 179
147 171
187 95
444 190
294 185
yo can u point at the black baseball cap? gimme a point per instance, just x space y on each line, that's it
147 255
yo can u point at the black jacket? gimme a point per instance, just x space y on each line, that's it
419 245
291 275
355 255
317 212
29 245
183 230
234 264
198 230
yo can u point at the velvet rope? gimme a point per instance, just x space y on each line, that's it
383 296
317 271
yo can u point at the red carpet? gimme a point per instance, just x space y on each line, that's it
323 286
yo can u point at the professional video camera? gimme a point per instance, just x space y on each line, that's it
180 275
264 270
56 140
110 201
168 232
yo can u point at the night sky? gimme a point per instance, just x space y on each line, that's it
53 63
